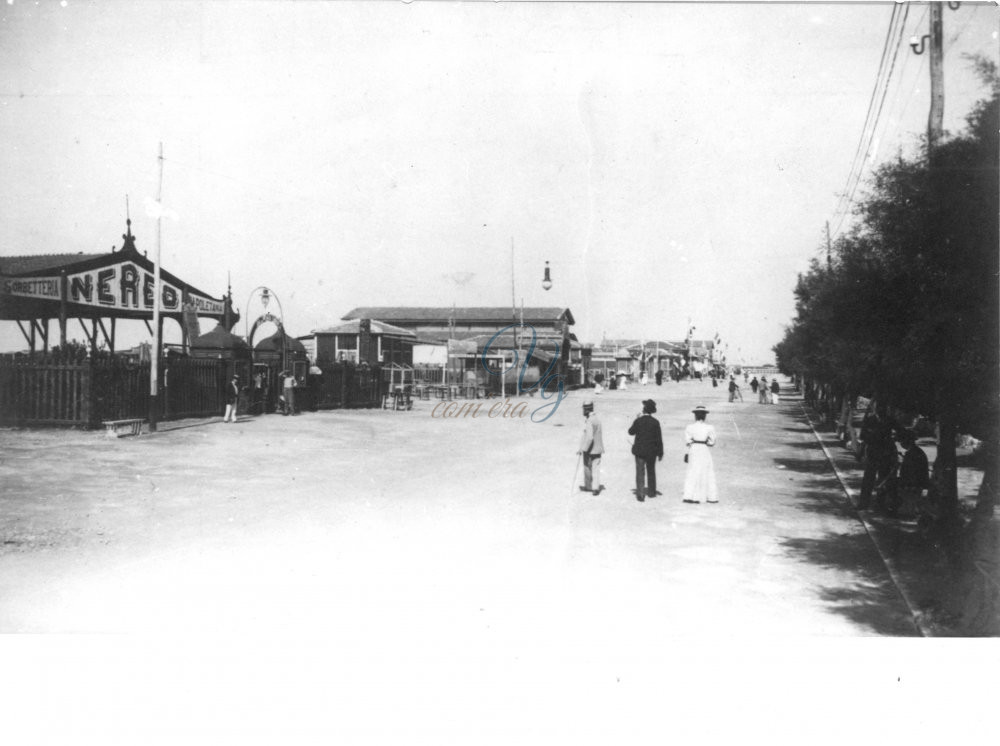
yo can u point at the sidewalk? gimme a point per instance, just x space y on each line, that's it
945 601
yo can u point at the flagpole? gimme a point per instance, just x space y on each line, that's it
154 382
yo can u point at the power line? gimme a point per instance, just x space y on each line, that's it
885 90
871 107
954 38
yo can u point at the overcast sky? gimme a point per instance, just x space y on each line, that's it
669 160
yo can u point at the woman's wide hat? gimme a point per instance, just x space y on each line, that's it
700 408
649 406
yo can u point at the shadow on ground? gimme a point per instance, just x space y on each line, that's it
871 600
820 501
804 465
804 446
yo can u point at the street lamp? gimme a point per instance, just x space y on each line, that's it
265 298
547 280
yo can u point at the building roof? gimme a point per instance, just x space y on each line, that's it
219 339
12 266
461 314
273 343
353 327
26 305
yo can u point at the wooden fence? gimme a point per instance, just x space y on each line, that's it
346 385
55 392
77 391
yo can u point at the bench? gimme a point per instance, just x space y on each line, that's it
121 428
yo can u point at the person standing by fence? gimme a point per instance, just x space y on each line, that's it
232 399
288 391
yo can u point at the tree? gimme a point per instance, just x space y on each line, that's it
909 310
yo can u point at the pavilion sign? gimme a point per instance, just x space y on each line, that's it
123 286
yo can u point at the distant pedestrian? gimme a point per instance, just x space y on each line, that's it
591 449
659 378
699 481
763 390
775 390
232 399
754 384
288 391
734 389
647 449
745 376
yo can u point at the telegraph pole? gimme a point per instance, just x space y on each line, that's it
829 261
154 358
945 464
935 121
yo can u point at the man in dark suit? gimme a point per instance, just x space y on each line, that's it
647 449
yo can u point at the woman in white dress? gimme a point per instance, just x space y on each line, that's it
699 481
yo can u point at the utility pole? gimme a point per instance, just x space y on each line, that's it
513 296
829 261
154 362
935 121
946 461
945 464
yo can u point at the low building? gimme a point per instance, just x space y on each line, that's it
361 340
495 330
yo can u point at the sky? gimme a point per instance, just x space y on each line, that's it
671 161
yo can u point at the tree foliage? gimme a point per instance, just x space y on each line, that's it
908 309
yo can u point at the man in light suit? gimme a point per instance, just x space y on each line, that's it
591 449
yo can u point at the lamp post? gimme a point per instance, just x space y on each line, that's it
266 294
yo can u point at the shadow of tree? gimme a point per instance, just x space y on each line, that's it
870 599
824 501
804 445
804 465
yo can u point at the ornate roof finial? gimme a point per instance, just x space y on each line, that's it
129 239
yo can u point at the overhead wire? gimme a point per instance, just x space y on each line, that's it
957 34
871 106
859 172
918 76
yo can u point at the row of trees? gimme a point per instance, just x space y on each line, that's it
907 308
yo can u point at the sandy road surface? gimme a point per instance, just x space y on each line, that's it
468 528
